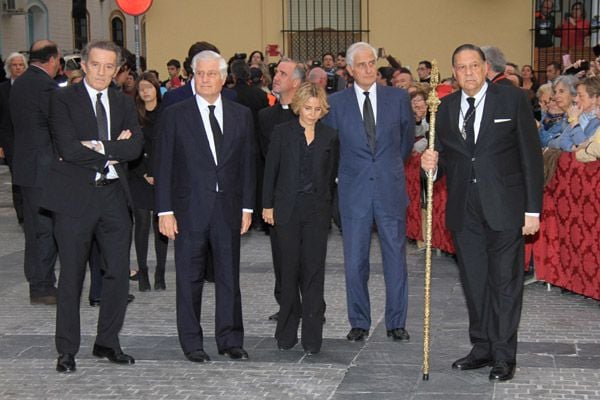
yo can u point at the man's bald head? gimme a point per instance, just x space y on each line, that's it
317 76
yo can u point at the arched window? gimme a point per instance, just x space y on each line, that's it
81 26
37 21
117 28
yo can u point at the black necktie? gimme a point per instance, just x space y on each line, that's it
469 124
101 118
216 130
369 121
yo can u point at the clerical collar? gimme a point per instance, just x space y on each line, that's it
285 106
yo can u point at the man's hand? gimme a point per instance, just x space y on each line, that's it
268 216
246 221
429 160
124 135
149 179
532 225
167 225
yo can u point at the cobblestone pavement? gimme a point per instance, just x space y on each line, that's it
559 351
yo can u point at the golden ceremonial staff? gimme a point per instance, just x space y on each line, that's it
433 102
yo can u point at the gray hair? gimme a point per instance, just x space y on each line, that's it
102 45
9 59
495 57
570 81
207 55
299 71
545 88
316 74
356 47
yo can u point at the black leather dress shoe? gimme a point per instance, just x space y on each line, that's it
502 371
470 362
116 356
47 300
66 363
235 353
94 302
311 352
398 334
357 334
197 356
274 317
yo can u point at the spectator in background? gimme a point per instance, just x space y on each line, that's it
141 183
318 76
544 24
15 66
175 79
384 76
340 61
582 118
563 93
255 59
494 57
402 78
334 81
76 77
575 29
553 71
424 71
511 69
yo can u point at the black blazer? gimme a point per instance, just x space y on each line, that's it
185 172
7 135
29 107
507 161
268 119
282 168
69 186
141 191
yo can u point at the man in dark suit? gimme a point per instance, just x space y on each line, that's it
490 151
95 131
376 131
33 153
288 78
205 188
496 62
15 66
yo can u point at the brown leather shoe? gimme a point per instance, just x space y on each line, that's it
48 300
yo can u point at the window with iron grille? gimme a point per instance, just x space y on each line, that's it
564 31
314 27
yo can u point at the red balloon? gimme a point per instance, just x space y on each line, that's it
134 7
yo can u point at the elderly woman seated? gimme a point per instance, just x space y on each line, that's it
582 119
552 116
554 120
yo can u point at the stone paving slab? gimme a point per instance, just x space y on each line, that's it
558 355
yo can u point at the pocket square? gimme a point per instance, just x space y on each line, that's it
497 121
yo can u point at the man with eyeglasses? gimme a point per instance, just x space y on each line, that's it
376 130
205 190
424 71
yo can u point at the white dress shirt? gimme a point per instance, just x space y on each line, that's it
360 97
479 105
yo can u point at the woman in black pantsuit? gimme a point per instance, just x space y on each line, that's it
141 182
299 181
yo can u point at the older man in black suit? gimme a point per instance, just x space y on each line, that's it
490 150
95 131
33 153
205 188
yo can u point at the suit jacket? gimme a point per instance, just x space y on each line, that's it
362 176
185 172
69 186
282 169
29 107
268 119
7 135
507 162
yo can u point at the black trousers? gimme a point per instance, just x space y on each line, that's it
108 220
191 249
40 247
303 244
491 265
141 233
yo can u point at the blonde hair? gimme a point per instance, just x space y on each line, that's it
305 92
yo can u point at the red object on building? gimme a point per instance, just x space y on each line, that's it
134 7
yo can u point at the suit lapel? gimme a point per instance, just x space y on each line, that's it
485 128
88 110
357 120
230 128
115 114
454 114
